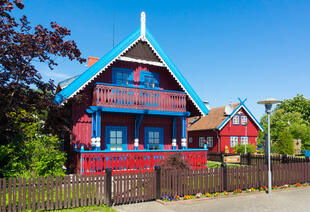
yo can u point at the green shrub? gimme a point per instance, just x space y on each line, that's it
240 149
285 144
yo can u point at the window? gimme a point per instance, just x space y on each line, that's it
236 120
149 79
154 138
244 140
116 138
234 141
190 140
209 141
122 76
244 120
202 141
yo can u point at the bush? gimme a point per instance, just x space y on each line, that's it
32 153
250 148
174 161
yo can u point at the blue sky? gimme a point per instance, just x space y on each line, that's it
225 49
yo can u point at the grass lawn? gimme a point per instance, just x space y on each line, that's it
215 164
103 208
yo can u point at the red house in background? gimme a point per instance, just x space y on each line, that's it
223 128
132 110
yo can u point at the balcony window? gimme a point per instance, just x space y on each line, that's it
153 138
122 76
149 80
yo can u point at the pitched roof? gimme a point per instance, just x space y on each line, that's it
216 118
213 120
101 65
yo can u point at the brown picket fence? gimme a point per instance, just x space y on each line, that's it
190 182
256 159
51 193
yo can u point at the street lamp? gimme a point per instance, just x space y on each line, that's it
268 104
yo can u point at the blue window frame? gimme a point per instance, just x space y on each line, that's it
149 80
234 141
244 140
236 120
122 76
154 138
244 120
116 138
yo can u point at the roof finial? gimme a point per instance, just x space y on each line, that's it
143 24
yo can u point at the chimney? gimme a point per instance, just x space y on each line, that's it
207 104
92 61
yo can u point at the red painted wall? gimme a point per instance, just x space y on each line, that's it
81 121
250 130
196 134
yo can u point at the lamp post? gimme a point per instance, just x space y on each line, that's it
268 104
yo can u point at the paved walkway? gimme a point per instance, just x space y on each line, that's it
289 200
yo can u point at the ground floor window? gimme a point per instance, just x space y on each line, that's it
116 138
244 140
154 138
202 141
210 141
234 141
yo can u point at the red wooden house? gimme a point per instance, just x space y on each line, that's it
223 128
134 108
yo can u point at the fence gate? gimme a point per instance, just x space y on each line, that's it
133 187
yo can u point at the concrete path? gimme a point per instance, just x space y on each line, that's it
289 200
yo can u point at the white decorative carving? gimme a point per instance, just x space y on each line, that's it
183 142
143 24
98 139
174 142
98 144
136 143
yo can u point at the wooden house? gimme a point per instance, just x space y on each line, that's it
132 110
223 128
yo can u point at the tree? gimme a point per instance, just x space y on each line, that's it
290 115
22 46
285 143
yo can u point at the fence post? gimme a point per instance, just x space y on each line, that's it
224 168
158 182
222 157
249 158
108 187
284 158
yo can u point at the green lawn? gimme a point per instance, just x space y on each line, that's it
215 164
103 208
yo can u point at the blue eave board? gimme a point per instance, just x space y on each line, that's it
85 76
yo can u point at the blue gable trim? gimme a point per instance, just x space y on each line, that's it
91 71
234 112
106 59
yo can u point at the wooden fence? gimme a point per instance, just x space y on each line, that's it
120 187
191 182
50 193
251 159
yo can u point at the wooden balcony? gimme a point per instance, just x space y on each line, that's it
115 96
95 162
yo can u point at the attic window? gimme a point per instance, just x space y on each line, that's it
244 120
236 120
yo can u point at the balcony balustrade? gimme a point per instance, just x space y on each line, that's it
115 96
